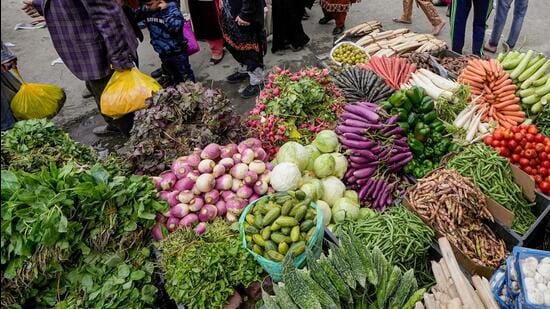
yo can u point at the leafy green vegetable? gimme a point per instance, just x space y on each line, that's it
203 271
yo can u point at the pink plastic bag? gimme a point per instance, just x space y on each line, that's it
192 44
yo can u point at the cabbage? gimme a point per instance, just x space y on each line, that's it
324 166
313 153
294 153
325 208
366 213
285 177
333 189
318 187
352 195
310 190
341 165
326 141
344 209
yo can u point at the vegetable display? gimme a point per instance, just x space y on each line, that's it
394 70
344 279
177 120
280 224
294 107
361 29
543 120
498 100
530 72
455 65
360 85
217 181
527 148
421 60
469 121
349 53
399 41
62 227
426 135
434 85
492 174
461 218
377 151
203 271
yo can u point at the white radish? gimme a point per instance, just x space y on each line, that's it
472 130
440 82
461 121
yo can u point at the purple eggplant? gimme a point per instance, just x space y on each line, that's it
353 116
363 153
364 172
362 111
398 158
355 137
394 131
362 124
360 159
349 129
357 144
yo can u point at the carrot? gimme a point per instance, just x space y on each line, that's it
510 108
475 78
500 89
509 97
514 113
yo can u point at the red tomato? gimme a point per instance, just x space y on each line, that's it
497 135
504 152
543 171
530 153
534 163
528 170
539 138
515 157
547 148
524 162
530 137
542 155
512 144
518 137
544 187
545 164
495 143
515 129
488 140
532 129
539 147
518 149
538 179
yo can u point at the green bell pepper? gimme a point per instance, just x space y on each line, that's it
416 146
397 99
404 125
427 105
429 117
386 105
415 95
453 147
421 131
412 119
402 114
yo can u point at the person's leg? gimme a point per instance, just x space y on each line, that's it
503 6
520 8
216 47
8 121
406 17
239 75
340 19
432 15
178 67
481 13
327 16
459 15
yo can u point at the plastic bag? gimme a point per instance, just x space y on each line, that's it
34 101
126 92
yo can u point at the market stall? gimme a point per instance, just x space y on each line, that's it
405 177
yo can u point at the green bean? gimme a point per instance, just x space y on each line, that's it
492 174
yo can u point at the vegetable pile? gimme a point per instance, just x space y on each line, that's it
294 107
434 85
492 174
421 60
350 276
526 147
178 119
530 73
543 121
203 271
74 235
469 120
461 218
348 53
394 70
217 181
362 85
426 135
280 224
377 151
455 65
498 100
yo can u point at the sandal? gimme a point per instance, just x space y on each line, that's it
401 21
489 48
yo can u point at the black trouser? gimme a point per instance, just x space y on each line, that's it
96 87
176 65
459 15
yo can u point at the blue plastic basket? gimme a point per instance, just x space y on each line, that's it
521 253
273 268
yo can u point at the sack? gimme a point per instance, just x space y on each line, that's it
192 44
34 101
268 20
126 92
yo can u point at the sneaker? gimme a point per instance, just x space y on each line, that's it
325 20
236 77
251 91
337 30
157 73
106 130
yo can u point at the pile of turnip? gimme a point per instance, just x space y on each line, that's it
217 181
377 151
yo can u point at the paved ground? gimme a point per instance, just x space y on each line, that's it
35 52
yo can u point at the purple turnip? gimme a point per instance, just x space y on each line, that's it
239 171
260 187
193 175
168 180
218 170
184 184
253 197
235 205
179 211
180 168
229 150
160 218
227 163
211 197
222 209
230 217
157 181
244 192
193 160
200 228
269 166
206 166
211 151
157 232
236 158
224 182
249 143
266 176
208 213
237 184
247 156
205 183
196 204
250 178
172 224
188 220
186 196
257 167
228 195
170 197
260 154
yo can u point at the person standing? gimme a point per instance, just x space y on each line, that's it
459 15
10 86
206 25
337 10
287 25
503 6
93 38
429 10
242 24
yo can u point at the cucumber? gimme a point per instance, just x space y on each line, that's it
316 272
540 82
278 237
250 219
339 262
531 69
295 233
282 248
307 225
300 213
298 290
285 221
297 248
274 227
287 206
271 215
266 233
258 221
286 231
310 215
257 238
521 66
270 245
257 249
248 238
249 229
300 195
283 299
353 259
274 255
324 298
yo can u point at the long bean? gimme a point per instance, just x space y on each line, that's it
492 174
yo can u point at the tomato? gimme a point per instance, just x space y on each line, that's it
543 171
515 157
495 143
518 149
532 129
488 140
539 138
534 163
512 144
547 148
497 135
530 153
544 186
518 137
545 164
515 129
538 178
524 162
529 137
539 147
528 170
541 155
504 152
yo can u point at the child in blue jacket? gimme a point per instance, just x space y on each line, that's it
165 23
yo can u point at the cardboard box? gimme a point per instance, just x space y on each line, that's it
527 184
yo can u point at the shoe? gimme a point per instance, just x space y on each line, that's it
251 91
216 61
506 48
437 29
337 30
438 3
401 21
325 20
488 47
106 130
297 49
157 73
236 77
87 94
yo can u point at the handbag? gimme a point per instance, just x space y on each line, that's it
189 35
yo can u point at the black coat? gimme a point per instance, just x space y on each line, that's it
248 10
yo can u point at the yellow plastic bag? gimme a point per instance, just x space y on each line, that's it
34 101
126 92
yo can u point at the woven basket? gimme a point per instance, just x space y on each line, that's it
344 43
273 268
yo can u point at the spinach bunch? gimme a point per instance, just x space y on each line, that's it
203 271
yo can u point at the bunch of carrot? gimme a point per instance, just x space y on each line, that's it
395 70
496 91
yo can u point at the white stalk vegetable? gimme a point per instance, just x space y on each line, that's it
472 130
464 117
440 82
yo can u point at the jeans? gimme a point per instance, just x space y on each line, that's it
459 15
177 67
503 6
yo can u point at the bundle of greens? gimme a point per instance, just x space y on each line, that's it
543 120
178 119
61 227
202 271
351 276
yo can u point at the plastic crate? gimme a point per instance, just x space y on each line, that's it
520 255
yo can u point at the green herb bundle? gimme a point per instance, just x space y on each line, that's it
202 271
